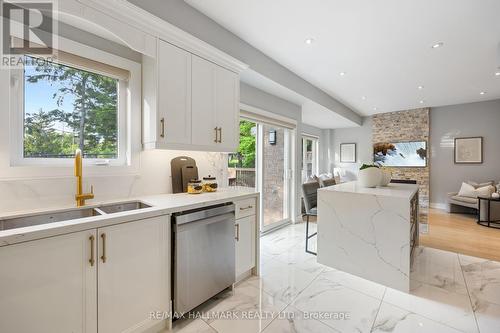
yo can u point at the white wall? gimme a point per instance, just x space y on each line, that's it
362 136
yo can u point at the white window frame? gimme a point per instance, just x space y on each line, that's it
128 93
315 151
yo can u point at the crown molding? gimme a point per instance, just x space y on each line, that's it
129 14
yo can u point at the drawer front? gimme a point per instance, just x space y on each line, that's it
247 207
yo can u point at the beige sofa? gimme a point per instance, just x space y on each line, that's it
468 205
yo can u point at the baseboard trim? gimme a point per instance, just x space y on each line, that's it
438 205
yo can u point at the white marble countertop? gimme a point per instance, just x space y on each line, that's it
392 190
161 204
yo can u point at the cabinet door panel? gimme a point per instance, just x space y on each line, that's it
49 286
203 102
174 94
245 244
134 279
227 108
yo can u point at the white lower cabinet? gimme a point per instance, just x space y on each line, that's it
102 280
49 285
245 244
133 274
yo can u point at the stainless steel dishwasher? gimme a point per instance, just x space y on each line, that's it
204 255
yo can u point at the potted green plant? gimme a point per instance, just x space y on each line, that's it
369 175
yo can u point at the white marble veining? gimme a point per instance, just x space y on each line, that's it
366 231
160 205
406 191
299 295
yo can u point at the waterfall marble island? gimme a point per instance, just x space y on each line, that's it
369 232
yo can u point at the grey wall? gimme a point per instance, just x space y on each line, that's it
362 136
180 14
474 119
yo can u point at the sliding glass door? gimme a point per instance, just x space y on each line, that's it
264 162
275 166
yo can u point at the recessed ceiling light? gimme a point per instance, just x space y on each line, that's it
482 93
422 102
437 45
342 73
375 109
497 73
420 87
363 98
309 41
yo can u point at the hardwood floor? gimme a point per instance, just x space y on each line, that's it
460 233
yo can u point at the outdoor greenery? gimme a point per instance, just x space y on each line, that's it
90 124
245 157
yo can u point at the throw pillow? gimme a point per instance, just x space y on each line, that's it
467 190
478 185
485 191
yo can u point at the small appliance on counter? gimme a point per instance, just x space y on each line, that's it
183 170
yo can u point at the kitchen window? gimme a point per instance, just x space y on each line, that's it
74 103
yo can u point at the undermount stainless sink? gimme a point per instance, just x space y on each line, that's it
44 218
72 214
123 207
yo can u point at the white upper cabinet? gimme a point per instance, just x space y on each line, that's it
167 97
227 96
190 103
203 107
174 94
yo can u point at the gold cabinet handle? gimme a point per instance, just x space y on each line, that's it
92 254
162 122
216 135
103 257
237 225
245 208
220 134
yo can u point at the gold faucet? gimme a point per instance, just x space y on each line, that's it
81 197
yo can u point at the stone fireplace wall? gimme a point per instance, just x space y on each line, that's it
409 125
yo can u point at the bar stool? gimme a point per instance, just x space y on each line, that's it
310 195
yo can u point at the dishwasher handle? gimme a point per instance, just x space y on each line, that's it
200 223
201 214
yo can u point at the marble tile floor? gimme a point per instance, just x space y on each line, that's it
450 293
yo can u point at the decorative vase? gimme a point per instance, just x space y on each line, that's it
369 177
386 177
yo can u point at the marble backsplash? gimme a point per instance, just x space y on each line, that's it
154 177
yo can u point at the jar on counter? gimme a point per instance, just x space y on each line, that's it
194 186
210 184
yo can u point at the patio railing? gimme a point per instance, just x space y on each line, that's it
242 177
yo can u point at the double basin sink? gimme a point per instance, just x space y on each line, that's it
71 214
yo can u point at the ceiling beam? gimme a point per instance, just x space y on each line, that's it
180 14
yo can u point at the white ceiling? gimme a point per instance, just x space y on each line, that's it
384 47
312 113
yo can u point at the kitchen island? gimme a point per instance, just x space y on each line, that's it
369 232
